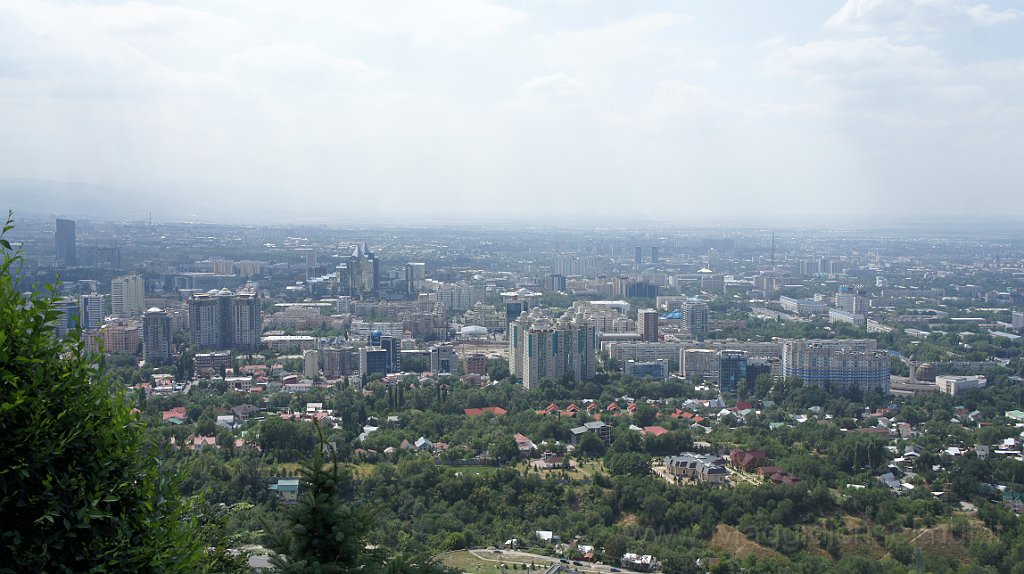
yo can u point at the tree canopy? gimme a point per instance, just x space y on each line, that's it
81 487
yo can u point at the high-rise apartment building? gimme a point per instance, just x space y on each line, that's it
338 362
224 320
127 295
555 282
461 297
695 315
702 363
64 241
647 325
122 336
831 364
310 363
68 319
91 311
247 316
156 336
541 347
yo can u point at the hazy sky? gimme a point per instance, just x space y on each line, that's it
554 108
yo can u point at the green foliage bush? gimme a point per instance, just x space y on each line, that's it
81 488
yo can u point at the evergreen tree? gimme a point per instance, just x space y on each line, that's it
322 533
81 489
325 532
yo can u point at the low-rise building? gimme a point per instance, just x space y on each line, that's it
953 385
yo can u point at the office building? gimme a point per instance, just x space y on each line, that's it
372 360
840 316
837 364
654 369
1017 319
757 367
127 295
91 311
849 299
696 317
156 336
393 346
64 241
415 278
443 359
732 370
638 258
359 275
955 385
542 347
654 255
647 325
209 364
803 306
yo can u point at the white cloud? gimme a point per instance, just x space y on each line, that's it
866 15
298 67
553 87
618 41
914 16
874 59
984 15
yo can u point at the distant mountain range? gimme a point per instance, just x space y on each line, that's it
34 197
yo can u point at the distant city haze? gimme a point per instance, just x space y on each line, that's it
813 112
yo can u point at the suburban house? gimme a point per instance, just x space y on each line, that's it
655 430
243 412
286 488
777 475
524 444
201 442
747 460
550 463
700 467
476 412
644 563
175 416
548 536
602 430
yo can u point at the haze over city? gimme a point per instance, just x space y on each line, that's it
808 112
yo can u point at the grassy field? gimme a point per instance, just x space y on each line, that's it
468 470
465 561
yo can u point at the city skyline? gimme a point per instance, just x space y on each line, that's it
854 111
